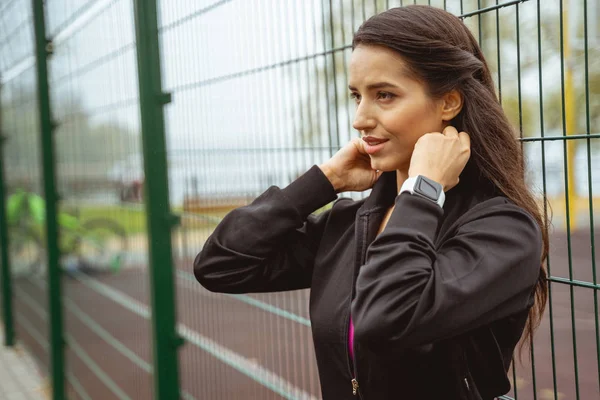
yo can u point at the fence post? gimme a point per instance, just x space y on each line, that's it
160 220
7 315
43 48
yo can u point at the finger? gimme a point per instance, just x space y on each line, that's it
465 139
377 176
359 144
450 131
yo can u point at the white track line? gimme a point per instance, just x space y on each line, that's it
244 365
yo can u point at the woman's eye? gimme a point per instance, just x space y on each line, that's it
385 95
355 96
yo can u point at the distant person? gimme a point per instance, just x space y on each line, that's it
423 290
132 191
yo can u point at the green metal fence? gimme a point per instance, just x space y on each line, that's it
21 128
95 340
139 124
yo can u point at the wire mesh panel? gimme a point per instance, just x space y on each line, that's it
234 128
260 94
94 93
23 184
543 61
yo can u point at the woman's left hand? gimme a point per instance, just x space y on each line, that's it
441 156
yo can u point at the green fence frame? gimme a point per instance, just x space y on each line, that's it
159 216
5 279
43 47
160 220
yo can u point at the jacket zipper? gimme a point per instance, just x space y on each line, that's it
467 376
354 387
351 364
360 255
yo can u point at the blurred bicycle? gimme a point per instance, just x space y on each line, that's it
93 246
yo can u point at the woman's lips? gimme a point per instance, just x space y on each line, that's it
373 145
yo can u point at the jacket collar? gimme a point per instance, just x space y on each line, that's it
383 193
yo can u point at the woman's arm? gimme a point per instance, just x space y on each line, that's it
270 244
409 294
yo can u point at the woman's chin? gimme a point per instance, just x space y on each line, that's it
381 164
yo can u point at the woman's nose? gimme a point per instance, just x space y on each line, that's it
363 120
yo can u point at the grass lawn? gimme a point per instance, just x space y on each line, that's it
133 219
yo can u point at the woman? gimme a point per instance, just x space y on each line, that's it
424 289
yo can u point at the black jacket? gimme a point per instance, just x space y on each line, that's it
439 299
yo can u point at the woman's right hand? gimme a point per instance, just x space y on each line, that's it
350 168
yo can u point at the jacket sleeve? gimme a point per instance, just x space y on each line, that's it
409 293
270 244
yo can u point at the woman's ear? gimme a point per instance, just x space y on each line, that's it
451 105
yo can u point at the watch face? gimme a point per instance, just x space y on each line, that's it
428 188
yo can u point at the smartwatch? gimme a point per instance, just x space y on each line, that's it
424 187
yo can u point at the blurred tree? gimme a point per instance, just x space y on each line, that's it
81 147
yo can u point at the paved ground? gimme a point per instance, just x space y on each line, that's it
259 347
20 378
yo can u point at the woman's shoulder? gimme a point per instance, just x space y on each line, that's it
488 212
496 206
500 213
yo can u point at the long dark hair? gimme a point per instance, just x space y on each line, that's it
442 53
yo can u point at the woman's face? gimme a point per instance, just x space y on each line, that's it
393 110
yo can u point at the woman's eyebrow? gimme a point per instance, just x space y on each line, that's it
378 85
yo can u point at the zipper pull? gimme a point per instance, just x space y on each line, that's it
354 387
467 384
